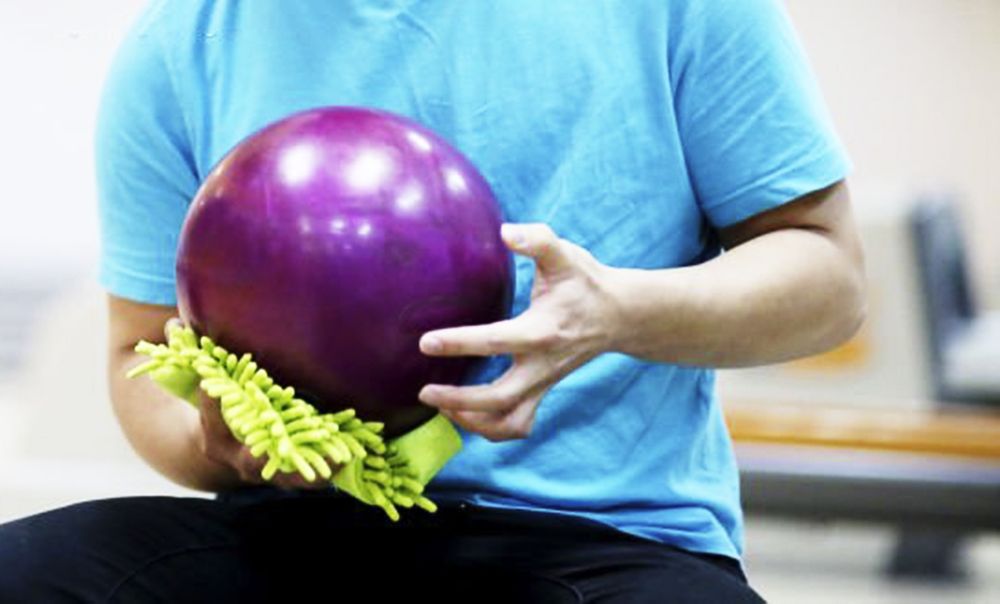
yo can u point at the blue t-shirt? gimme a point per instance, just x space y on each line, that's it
633 129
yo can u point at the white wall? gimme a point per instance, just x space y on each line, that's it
59 442
53 56
914 86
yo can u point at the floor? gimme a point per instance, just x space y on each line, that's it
842 563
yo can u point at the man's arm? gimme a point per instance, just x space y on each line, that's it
192 447
790 284
164 430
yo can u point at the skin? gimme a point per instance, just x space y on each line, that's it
790 284
192 447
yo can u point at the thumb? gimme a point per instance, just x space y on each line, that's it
539 242
171 324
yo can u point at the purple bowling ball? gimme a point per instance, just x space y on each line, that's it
328 242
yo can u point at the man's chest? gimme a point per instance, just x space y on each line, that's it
567 113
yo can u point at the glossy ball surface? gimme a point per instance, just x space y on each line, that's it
328 242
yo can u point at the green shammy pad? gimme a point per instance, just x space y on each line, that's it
270 420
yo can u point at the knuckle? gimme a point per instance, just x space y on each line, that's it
549 338
546 233
292 480
546 245
216 453
495 344
202 444
520 431
507 399
247 476
583 255
246 467
458 419
495 436
508 433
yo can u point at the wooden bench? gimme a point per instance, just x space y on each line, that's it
905 467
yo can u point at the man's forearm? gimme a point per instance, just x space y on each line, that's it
791 285
164 430
786 294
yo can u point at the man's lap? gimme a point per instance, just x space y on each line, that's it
192 550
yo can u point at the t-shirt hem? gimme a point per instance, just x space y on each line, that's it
788 185
138 290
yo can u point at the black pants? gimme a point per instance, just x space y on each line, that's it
272 546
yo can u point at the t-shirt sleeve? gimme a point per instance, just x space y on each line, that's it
754 128
145 172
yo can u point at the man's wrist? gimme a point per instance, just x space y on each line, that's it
640 310
204 473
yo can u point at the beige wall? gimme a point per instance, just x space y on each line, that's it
914 87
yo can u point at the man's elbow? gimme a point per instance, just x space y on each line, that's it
857 311
850 309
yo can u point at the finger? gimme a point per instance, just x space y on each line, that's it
497 427
249 467
297 481
539 242
290 480
212 420
473 421
170 325
519 335
252 467
522 419
503 394
217 440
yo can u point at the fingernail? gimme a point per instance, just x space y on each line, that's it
512 234
431 344
425 392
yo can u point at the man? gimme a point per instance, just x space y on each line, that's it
627 143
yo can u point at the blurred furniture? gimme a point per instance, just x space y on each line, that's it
936 469
925 340
933 475
913 436
964 343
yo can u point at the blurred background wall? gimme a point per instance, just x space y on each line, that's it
58 438
913 86
54 55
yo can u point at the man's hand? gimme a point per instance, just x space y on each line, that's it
218 444
570 321
790 284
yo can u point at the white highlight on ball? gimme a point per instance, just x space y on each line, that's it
410 198
455 181
369 170
419 141
298 164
